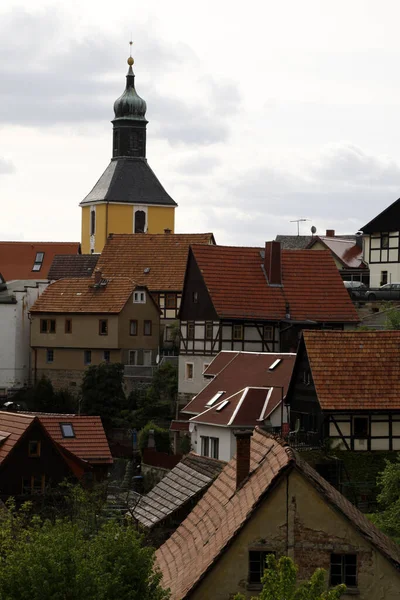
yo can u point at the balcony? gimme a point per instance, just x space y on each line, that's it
139 371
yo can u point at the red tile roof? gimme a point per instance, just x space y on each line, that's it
355 370
345 250
312 286
79 295
127 255
234 371
17 258
221 513
12 425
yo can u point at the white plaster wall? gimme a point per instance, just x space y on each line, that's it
195 385
227 441
8 318
375 269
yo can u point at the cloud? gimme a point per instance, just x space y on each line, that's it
6 166
198 165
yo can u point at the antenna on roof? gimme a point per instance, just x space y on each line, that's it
298 221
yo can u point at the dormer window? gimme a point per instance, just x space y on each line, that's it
67 430
139 297
37 265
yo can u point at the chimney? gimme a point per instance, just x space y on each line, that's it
243 439
330 233
167 231
272 263
97 276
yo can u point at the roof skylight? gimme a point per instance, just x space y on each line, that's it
275 364
214 398
222 405
67 430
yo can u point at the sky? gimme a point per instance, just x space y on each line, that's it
260 113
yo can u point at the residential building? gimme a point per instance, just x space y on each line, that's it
256 300
345 388
16 299
81 322
164 508
31 260
159 263
268 500
65 266
381 247
347 253
242 390
128 197
39 451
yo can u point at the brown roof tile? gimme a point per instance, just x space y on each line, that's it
17 258
80 296
127 255
312 285
72 265
356 370
220 514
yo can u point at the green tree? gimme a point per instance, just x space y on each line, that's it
161 438
42 397
159 401
280 583
103 392
388 517
392 317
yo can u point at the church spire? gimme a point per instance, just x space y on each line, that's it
129 138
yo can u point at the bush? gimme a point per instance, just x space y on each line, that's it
161 438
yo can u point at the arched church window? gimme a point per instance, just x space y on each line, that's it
140 221
92 222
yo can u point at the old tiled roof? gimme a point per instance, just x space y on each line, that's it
90 442
128 255
344 250
17 258
312 286
234 371
355 370
191 476
72 265
80 296
294 242
246 408
12 428
129 180
223 510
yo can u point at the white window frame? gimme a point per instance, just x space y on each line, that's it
139 297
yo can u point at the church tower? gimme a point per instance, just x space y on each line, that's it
128 198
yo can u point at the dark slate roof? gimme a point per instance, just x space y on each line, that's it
387 220
72 265
192 475
294 242
129 180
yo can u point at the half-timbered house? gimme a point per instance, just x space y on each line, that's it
255 300
345 387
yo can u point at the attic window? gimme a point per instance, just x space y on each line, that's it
67 430
214 398
275 364
37 265
222 405
139 297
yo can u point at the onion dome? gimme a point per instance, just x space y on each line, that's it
130 105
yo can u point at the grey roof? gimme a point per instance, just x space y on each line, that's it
72 265
129 180
294 242
192 475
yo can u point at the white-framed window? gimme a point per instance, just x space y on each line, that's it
139 297
37 265
189 370
209 446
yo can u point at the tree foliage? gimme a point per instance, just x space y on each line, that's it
392 317
161 437
42 397
103 392
159 400
65 561
388 517
280 583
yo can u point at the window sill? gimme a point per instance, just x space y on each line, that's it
351 592
254 587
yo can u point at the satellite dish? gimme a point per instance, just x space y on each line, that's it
313 230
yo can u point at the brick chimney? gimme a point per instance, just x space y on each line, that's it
243 442
330 233
272 263
97 276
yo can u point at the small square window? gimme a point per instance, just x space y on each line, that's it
43 325
68 325
343 569
106 356
87 357
268 332
67 430
237 332
103 327
170 301
147 328
209 331
190 330
189 371
49 355
34 448
133 326
139 297
257 565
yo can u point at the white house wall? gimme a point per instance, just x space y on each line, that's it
198 382
227 441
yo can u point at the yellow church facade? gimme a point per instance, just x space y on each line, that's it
128 197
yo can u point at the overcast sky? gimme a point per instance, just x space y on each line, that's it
260 112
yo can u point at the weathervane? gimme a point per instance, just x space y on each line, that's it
130 59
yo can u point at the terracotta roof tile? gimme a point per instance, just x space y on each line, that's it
127 255
220 514
234 371
14 424
17 258
72 265
356 370
80 296
312 285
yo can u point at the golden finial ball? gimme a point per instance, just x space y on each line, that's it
130 61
